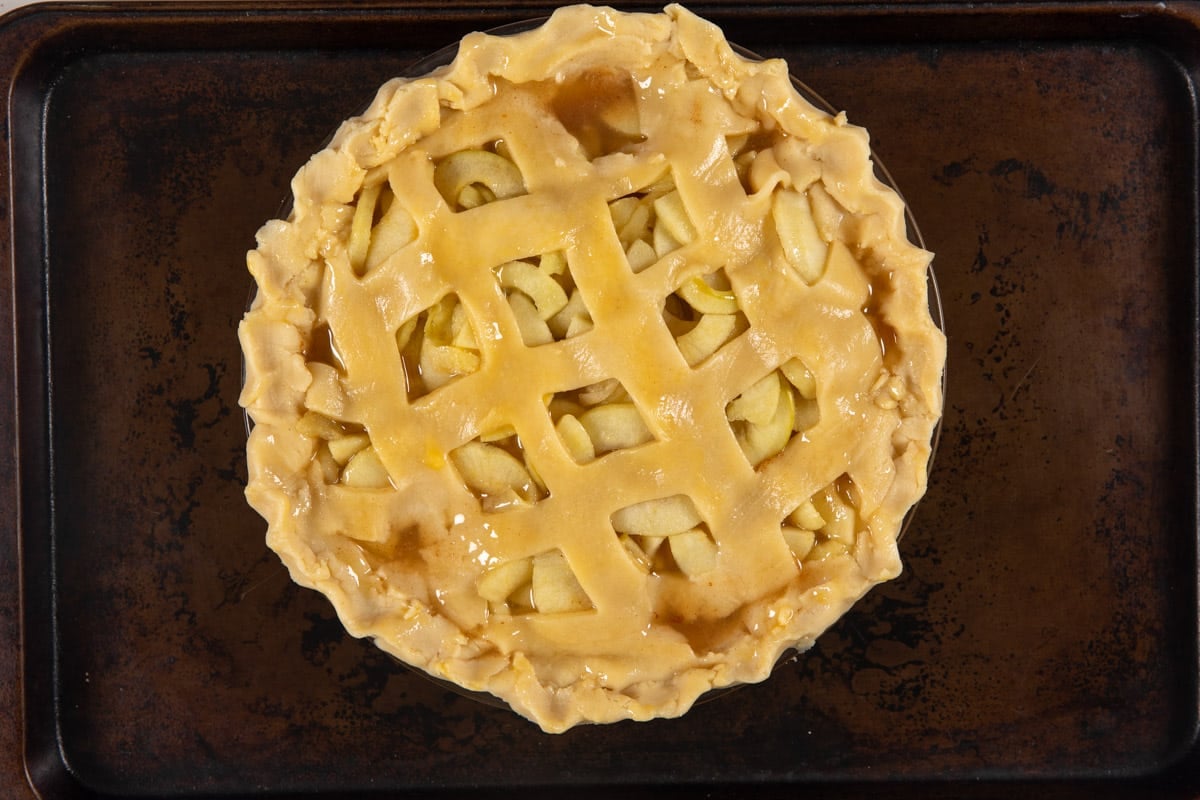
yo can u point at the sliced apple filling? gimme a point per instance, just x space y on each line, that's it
437 346
545 302
825 525
770 412
495 468
651 223
471 178
665 535
805 218
380 225
343 453
703 314
544 583
597 419
744 148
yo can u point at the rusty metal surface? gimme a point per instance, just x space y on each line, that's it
1045 628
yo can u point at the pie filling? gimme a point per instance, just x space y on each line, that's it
593 370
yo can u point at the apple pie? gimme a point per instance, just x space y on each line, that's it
593 370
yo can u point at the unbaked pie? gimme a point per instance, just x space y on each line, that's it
593 370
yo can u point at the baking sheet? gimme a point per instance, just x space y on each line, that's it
1044 629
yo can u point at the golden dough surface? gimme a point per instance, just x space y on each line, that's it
594 370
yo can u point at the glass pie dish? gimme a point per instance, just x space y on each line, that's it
594 369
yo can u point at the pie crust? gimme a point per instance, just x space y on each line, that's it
594 370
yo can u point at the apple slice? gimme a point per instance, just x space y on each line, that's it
405 332
534 330
502 580
553 263
360 226
672 217
319 426
712 331
801 377
694 552
344 447
649 544
441 363
571 317
841 520
662 516
664 242
807 517
462 332
799 540
366 471
493 472
640 255
477 168
760 442
545 292
331 470
615 426
635 552
757 405
803 246
576 439
609 390
395 229
621 210
706 298
637 224
555 588
579 325
827 548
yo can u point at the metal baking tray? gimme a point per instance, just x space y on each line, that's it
1043 637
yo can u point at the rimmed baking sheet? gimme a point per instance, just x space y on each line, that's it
1045 627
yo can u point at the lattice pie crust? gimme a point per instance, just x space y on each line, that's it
594 370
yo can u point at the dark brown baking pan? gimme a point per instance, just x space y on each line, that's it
1043 638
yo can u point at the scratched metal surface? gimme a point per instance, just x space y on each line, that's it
1044 627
